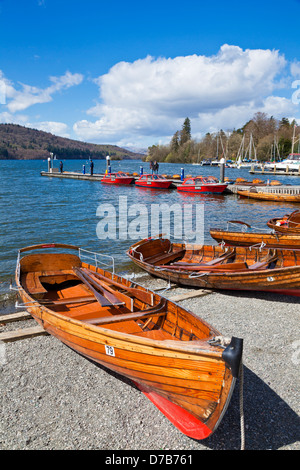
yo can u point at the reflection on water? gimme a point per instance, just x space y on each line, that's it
36 209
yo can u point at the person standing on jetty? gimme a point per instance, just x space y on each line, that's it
92 167
151 166
61 166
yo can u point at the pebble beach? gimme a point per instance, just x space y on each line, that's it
54 399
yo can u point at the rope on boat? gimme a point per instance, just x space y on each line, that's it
259 245
242 418
223 341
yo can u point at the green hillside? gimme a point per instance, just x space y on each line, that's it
22 143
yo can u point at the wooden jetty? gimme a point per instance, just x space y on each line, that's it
282 189
231 188
274 172
94 177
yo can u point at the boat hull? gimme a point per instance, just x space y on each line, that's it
205 188
270 240
288 225
282 280
154 184
118 181
270 196
192 375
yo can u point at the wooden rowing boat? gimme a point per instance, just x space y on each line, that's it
272 239
288 224
279 195
172 355
269 240
219 267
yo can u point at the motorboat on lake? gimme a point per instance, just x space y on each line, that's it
153 181
117 178
202 184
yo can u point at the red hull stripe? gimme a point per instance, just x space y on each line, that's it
180 418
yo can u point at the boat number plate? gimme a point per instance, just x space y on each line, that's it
110 351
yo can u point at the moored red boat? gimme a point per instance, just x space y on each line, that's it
202 184
117 178
218 267
176 358
153 181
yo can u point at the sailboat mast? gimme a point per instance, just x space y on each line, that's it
293 141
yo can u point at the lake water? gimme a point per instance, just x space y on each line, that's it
36 209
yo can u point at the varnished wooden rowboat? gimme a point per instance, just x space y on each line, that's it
219 267
272 239
271 195
288 224
172 355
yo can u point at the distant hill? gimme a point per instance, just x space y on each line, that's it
22 143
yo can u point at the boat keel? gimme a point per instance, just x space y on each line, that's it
180 418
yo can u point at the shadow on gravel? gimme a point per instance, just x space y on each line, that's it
271 296
269 422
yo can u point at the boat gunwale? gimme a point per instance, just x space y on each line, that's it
187 347
232 273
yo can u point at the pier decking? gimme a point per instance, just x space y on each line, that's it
231 188
94 177
275 172
280 189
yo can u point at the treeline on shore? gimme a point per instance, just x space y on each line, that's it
22 143
265 138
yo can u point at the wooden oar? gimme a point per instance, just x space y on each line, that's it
123 297
216 268
103 300
144 296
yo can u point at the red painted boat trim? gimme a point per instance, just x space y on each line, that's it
115 178
206 184
153 181
180 418
203 189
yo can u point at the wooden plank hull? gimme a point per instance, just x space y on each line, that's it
287 224
192 268
281 197
181 367
271 240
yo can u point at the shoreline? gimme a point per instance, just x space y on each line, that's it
53 398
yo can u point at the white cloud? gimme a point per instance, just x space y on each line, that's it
18 100
56 128
295 69
151 97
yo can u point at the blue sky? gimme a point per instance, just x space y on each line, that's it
129 73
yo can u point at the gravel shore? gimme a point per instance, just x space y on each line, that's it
52 398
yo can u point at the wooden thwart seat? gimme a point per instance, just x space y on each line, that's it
74 300
33 283
166 257
212 262
33 279
123 317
